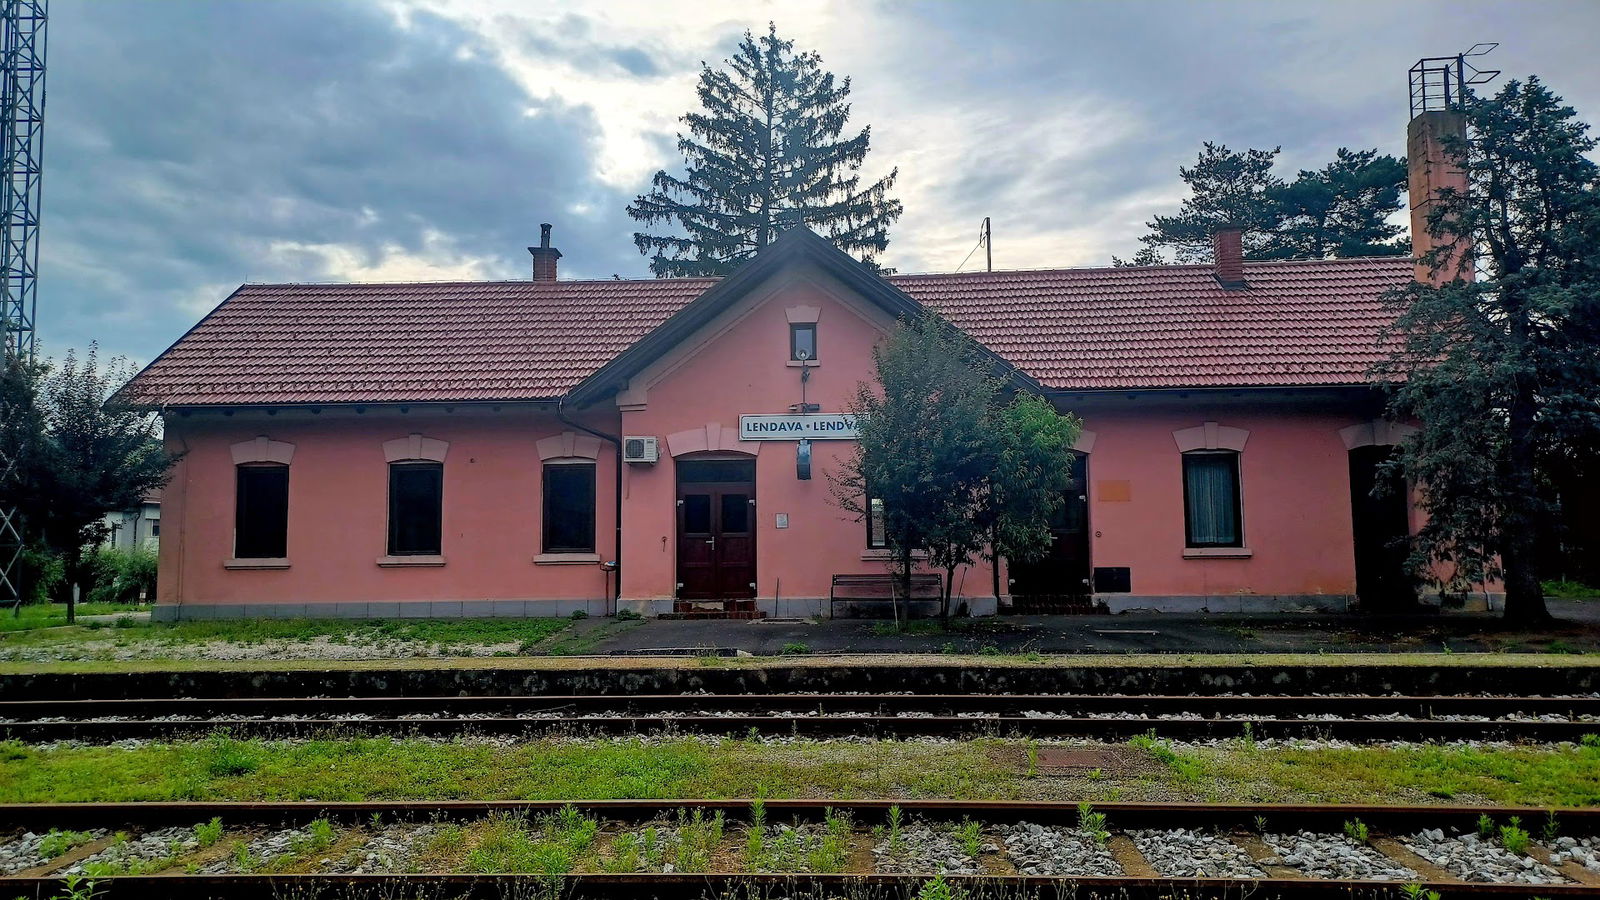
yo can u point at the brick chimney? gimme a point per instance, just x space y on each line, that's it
1430 170
1227 247
544 256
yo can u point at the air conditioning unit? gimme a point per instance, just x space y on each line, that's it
639 449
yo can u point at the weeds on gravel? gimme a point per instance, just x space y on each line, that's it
208 833
1485 825
970 834
1514 837
1415 891
698 837
319 836
897 840
56 843
510 843
1551 829
1092 823
1356 830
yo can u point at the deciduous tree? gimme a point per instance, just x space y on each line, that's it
955 460
90 451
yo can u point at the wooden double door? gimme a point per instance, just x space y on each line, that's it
716 529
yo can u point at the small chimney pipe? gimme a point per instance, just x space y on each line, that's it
544 256
1227 246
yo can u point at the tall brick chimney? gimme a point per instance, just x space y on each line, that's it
1227 248
1430 170
544 256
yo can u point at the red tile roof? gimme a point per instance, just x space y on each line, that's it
1299 324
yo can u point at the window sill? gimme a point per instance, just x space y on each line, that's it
264 562
809 364
400 562
887 556
566 559
1216 553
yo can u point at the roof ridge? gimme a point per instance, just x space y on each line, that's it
1163 267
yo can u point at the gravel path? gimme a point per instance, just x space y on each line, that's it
1040 850
1473 858
1336 856
146 853
922 849
1185 853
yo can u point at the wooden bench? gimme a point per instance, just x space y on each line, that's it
878 592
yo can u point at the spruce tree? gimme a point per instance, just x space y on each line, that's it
1499 369
764 155
1227 188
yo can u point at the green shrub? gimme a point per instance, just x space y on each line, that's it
114 575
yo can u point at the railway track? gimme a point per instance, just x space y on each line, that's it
1138 850
1356 718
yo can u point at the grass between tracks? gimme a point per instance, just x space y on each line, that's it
220 768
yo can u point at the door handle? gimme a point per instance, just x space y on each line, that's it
711 540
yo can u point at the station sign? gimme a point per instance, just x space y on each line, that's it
796 427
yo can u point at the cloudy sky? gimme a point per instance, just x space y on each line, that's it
194 146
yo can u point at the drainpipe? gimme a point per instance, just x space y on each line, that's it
616 443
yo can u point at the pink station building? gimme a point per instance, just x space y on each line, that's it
532 448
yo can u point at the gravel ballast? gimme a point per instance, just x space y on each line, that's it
148 852
1335 856
26 852
1474 858
1186 853
921 849
1042 850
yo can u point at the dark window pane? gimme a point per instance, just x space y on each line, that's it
877 530
803 339
416 495
569 508
735 513
1211 499
706 471
697 514
261 513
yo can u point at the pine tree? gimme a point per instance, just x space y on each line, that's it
1499 370
765 155
1227 188
1340 210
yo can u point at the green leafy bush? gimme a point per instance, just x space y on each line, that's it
114 575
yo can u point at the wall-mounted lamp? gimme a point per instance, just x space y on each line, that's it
802 460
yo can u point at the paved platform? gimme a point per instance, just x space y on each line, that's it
1577 630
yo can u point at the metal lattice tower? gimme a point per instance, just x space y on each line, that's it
22 43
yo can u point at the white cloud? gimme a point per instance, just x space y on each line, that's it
439 260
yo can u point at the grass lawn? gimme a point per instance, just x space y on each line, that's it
101 639
220 768
49 615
